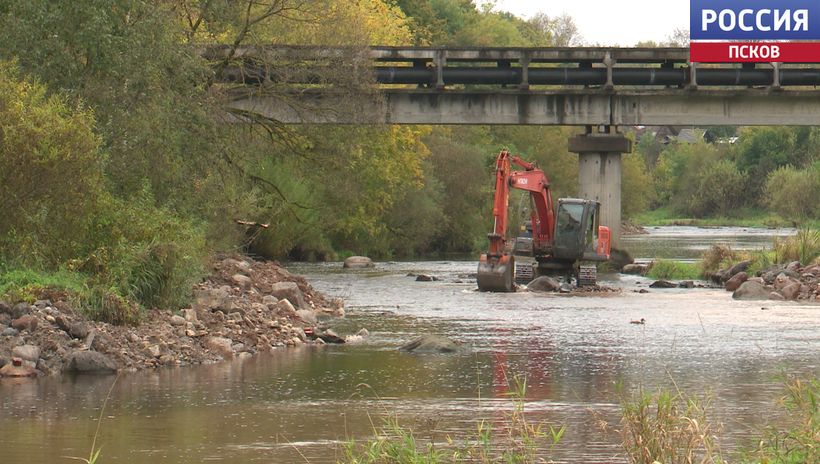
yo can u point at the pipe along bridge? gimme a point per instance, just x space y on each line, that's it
530 86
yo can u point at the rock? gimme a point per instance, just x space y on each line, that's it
4 319
27 322
5 308
90 362
189 314
686 284
78 330
17 368
720 277
358 262
662 284
284 308
19 310
290 291
776 296
425 278
635 269
736 281
178 321
544 284
329 336
28 353
751 291
42 304
363 332
790 292
307 315
784 280
430 344
242 281
737 268
220 345
240 265
213 299
62 322
152 351
269 300
565 288
9 332
793 266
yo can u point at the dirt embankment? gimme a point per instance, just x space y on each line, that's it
242 308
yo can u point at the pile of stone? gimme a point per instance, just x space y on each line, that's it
788 282
243 308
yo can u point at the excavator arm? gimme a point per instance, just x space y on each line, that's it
496 267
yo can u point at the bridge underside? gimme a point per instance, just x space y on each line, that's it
560 108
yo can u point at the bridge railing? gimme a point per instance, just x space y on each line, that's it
521 68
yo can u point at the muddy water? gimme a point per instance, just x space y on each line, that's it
298 405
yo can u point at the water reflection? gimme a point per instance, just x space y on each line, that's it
305 402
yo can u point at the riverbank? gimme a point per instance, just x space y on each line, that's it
242 308
744 218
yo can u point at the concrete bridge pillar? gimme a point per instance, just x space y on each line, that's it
599 175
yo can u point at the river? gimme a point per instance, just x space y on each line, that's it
300 405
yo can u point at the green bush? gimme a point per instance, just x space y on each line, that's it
50 173
793 192
147 255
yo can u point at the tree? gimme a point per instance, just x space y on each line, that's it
50 172
793 193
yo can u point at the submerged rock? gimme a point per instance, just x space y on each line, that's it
358 262
544 284
662 284
430 344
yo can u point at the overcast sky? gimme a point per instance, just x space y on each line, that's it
615 22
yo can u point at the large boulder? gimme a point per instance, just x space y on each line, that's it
635 269
289 291
27 322
663 284
430 344
742 266
791 291
213 299
736 281
89 362
751 291
242 281
544 284
358 262
28 353
220 345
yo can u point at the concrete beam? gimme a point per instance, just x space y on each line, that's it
588 107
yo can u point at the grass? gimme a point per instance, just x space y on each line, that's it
517 440
800 443
803 247
673 270
27 284
669 428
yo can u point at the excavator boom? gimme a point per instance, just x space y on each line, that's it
559 241
496 268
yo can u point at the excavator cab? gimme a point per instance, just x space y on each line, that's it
578 235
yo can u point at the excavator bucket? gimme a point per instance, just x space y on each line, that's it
496 274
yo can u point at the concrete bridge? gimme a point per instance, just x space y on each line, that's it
600 89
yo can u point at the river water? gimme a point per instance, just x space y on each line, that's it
300 405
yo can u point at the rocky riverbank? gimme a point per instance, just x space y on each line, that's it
242 308
790 282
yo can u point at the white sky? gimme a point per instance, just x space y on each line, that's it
615 22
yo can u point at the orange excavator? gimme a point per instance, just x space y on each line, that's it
559 243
